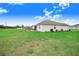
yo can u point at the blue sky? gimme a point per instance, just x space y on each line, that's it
32 13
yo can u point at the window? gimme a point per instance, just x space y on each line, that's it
54 27
39 26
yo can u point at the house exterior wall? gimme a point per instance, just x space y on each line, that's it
47 28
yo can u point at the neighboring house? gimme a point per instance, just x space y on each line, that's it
50 26
76 26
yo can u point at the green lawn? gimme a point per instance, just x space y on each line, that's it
19 42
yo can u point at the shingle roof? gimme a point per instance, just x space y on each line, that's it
49 22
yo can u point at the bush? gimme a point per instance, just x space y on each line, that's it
56 30
69 29
61 29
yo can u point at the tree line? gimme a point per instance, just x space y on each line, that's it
17 26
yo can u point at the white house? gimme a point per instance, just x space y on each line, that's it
50 26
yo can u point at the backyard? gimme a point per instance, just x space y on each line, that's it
18 42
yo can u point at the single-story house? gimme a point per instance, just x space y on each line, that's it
50 26
76 26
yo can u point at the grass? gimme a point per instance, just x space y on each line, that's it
17 42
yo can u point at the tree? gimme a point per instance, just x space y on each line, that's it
17 26
22 26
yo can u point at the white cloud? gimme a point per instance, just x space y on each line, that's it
54 14
60 6
47 13
43 17
68 21
57 16
3 11
71 21
16 3
64 5
55 7
39 17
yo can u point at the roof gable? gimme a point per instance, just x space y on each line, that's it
49 22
